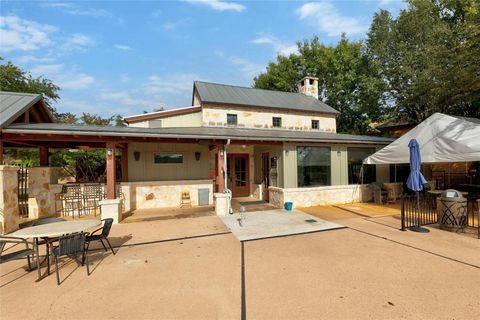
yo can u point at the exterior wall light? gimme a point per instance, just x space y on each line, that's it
136 155
197 155
109 152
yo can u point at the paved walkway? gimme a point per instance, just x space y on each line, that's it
194 268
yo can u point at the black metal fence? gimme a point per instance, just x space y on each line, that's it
428 209
22 191
409 210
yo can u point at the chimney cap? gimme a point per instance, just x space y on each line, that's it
307 77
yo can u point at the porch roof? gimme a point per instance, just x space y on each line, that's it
214 133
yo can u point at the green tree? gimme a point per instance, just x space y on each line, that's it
427 58
346 82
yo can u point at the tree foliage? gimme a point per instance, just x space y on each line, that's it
421 62
345 79
428 58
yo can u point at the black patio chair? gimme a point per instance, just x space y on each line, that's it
69 245
27 252
48 242
107 225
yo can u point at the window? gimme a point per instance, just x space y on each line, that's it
277 122
315 124
313 166
355 159
231 119
399 172
168 158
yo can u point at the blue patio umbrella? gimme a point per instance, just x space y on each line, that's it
416 180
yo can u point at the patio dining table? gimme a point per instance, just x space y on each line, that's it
53 230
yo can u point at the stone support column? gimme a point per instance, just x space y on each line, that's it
111 176
220 171
9 212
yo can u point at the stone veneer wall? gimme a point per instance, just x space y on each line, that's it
9 213
42 186
307 197
158 194
261 118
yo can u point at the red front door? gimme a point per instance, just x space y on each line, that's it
238 174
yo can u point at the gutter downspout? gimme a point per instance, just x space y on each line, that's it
225 189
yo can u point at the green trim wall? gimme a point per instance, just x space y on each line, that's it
339 164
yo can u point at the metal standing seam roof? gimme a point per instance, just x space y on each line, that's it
227 94
195 133
13 104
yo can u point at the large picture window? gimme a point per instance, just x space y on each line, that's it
355 158
161 158
313 166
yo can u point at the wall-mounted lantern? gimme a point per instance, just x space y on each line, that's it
136 155
197 155
109 152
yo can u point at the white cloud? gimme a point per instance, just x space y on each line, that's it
177 83
262 40
75 10
125 98
33 59
172 25
79 39
46 69
76 81
279 46
325 16
64 77
220 5
248 68
288 50
122 47
21 34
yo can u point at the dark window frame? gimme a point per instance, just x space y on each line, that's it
311 175
317 124
354 165
232 116
157 156
276 125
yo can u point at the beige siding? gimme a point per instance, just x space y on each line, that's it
183 120
146 170
261 118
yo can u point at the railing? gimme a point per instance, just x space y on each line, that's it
22 191
409 210
428 209
83 199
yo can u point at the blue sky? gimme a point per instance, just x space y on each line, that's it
124 57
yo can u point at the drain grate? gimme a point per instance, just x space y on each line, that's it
311 220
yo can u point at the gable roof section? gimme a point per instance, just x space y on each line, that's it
14 104
161 114
243 96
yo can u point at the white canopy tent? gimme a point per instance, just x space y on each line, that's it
442 139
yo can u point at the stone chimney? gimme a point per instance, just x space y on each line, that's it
308 86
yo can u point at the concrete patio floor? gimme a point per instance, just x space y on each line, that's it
192 269
274 223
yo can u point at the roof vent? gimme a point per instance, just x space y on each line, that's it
308 86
